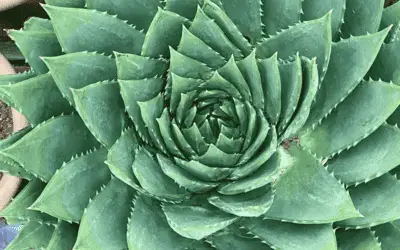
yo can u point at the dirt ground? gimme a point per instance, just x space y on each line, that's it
5 121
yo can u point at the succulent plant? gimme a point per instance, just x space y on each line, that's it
207 124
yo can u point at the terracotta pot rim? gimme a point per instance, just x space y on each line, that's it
9 185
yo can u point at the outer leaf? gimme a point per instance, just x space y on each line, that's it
311 39
134 67
92 230
45 99
388 235
307 188
38 24
384 66
357 240
349 63
67 70
67 3
69 190
281 235
77 28
53 140
366 108
63 237
35 44
98 104
10 79
373 157
377 200
138 13
196 222
390 16
32 236
236 240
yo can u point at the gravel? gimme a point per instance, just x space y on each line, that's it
5 121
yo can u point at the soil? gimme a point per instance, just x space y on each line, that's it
5 121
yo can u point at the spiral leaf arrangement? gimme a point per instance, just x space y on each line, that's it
212 124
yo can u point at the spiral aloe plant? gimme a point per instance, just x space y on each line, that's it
207 124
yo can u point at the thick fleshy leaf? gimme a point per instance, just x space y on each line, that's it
121 156
7 165
272 89
388 235
236 239
246 15
196 222
92 230
38 24
138 13
313 9
366 108
45 99
36 44
214 155
56 141
63 237
10 79
311 39
69 190
378 201
134 67
251 204
98 104
357 240
350 61
76 29
164 123
384 66
32 236
67 3
371 158
78 70
362 17
165 30
283 235
267 173
151 177
184 178
306 189
148 228
280 14
390 16
18 208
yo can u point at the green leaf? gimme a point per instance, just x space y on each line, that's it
251 204
56 140
291 84
45 99
134 67
283 235
76 29
390 16
67 70
366 108
10 79
184 8
32 236
280 14
371 158
272 87
138 13
214 11
357 240
209 32
36 44
97 105
151 177
313 9
196 222
121 156
63 237
236 239
377 200
165 31
11 167
99 230
267 173
307 188
388 235
195 139
183 178
67 3
350 61
309 90
246 15
213 156
148 228
38 24
18 208
384 66
311 39
69 190
362 17
164 123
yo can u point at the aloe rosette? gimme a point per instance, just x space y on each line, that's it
212 124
